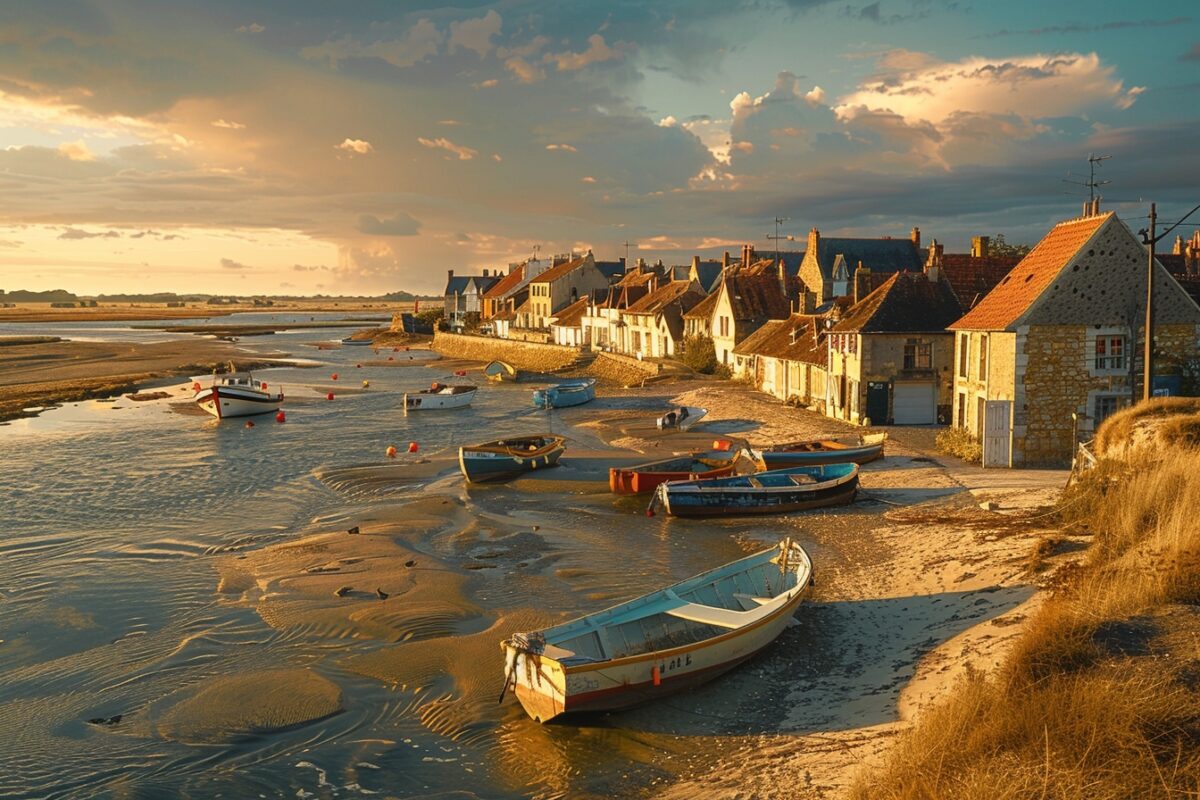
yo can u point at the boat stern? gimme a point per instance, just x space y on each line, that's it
538 682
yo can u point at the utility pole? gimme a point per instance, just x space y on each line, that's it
1147 389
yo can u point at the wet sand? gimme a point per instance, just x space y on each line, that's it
915 585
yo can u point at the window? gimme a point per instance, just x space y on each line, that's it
1106 405
918 355
983 358
636 341
1110 353
964 350
724 326
962 409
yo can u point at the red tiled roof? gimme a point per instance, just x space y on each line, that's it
757 297
1014 295
554 273
570 316
796 338
507 283
665 295
972 277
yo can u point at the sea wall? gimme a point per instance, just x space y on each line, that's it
523 355
624 370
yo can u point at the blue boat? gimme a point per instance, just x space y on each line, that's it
777 491
507 458
828 450
568 393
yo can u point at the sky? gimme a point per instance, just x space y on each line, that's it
303 146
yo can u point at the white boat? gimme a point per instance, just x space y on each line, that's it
238 394
680 419
439 396
659 643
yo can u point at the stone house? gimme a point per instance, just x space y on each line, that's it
745 301
565 329
828 267
601 323
512 289
464 295
891 355
698 321
654 324
562 285
789 358
1056 346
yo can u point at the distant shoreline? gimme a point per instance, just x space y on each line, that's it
126 312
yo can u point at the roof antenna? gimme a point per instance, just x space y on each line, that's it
1091 184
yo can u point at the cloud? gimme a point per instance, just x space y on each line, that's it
79 233
304 268
1193 53
668 122
442 143
525 72
1081 27
421 41
587 179
568 148
10 243
76 151
596 53
229 263
490 83
400 224
815 96
355 146
224 123
475 34
253 27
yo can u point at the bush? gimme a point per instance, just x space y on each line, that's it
700 354
431 316
960 443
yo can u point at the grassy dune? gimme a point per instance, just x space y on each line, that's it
1101 696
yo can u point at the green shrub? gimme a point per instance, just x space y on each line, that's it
960 443
700 354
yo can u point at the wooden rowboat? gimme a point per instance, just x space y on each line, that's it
506 458
830 450
680 419
773 492
659 643
501 371
645 478
567 393
439 396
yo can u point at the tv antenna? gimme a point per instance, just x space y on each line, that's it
627 244
1091 184
536 248
779 221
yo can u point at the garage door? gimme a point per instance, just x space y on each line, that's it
913 403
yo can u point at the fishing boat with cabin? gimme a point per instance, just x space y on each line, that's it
237 394
680 419
439 396
645 478
507 458
565 394
777 491
660 643
827 450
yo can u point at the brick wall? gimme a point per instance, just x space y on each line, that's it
524 355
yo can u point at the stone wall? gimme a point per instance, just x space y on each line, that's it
623 369
523 355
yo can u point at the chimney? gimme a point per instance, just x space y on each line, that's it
933 264
814 239
725 262
624 266
641 264
862 283
808 302
1096 207
449 274
979 246
746 251
1087 208
916 237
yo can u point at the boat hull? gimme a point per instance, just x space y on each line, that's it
223 402
500 371
671 422
833 485
421 401
483 467
782 459
565 395
548 690
644 478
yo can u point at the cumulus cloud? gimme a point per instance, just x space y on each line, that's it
815 96
475 34
668 122
525 72
442 143
421 41
490 83
400 224
224 123
79 233
253 27
597 52
566 147
355 146
229 263
76 151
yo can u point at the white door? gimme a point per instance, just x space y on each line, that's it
997 433
914 403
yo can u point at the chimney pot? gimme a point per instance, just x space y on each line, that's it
916 237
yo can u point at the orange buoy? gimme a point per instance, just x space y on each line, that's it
196 386
334 376
721 444
264 385
249 423
391 358
329 396
656 675
366 384
412 447
460 372
395 349
358 366
281 417
391 451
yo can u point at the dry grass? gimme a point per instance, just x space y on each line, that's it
1181 416
960 443
1093 702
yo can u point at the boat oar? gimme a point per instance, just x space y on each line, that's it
654 500
508 675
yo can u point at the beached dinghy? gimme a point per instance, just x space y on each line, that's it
774 492
829 450
439 396
238 394
659 643
357 342
645 478
506 458
501 371
680 419
568 393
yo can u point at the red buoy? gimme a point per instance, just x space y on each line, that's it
460 372
395 349
358 366
334 376
391 451
281 417
721 444
329 396
412 447
196 386
391 358
249 423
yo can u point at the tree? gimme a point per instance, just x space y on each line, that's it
999 247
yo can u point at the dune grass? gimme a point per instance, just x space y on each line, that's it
1175 420
1098 699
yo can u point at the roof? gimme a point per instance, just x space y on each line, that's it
906 303
703 309
457 284
610 269
880 255
556 272
972 277
796 338
685 293
756 297
1016 293
508 283
572 315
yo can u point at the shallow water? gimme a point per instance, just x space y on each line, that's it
116 514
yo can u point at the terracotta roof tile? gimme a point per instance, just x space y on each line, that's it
796 338
757 297
972 277
1014 295
907 303
506 284
704 309
554 273
570 316
684 291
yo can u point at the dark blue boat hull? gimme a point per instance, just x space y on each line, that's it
480 469
837 484
782 459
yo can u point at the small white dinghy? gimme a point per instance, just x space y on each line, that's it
659 643
439 396
681 419
238 394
